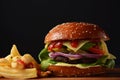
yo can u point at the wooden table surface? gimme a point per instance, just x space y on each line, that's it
114 75
111 75
87 78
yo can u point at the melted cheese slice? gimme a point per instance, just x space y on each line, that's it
75 65
80 44
105 49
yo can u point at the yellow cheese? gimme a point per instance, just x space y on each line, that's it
75 65
105 49
80 44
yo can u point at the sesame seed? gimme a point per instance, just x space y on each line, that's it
83 24
61 71
94 29
83 32
64 23
105 36
79 34
90 32
86 31
71 36
76 24
73 32
94 26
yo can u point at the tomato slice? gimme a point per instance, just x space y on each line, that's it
58 45
74 43
96 50
55 45
51 46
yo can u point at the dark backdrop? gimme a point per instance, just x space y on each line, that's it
25 23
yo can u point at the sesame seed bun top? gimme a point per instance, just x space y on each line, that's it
75 30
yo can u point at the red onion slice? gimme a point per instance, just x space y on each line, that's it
55 54
75 56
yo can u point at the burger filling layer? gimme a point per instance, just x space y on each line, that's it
77 52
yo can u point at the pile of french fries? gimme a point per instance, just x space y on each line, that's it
17 66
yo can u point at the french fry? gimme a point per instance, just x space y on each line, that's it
8 72
4 62
35 64
14 52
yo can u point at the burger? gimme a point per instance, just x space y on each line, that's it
75 49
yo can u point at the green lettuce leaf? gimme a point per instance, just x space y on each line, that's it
103 61
44 58
110 63
43 54
87 45
100 61
46 61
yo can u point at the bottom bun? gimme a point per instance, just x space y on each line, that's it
66 71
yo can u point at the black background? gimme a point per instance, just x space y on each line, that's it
25 23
